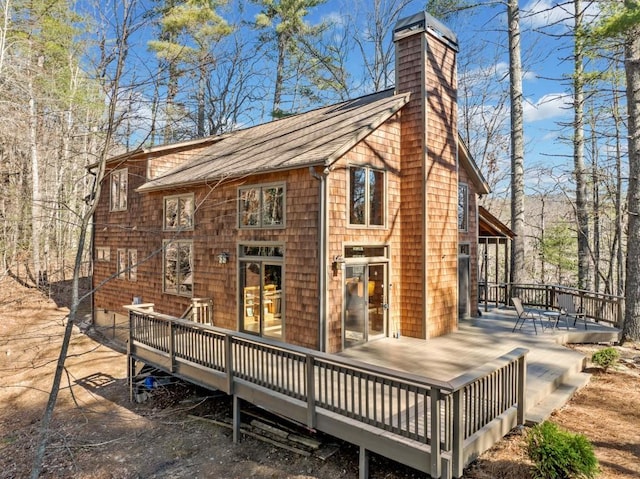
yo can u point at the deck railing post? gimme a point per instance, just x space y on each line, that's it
457 445
522 386
311 391
436 454
172 355
228 361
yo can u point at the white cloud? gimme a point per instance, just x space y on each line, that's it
549 106
544 13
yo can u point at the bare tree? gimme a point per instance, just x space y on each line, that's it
517 144
124 29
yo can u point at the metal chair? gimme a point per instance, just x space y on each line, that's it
568 310
524 314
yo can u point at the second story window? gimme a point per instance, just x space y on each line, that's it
463 207
366 196
119 187
178 212
261 206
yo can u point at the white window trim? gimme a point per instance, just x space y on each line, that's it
466 207
103 254
164 212
260 225
164 252
367 224
120 172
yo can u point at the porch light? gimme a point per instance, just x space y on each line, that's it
223 258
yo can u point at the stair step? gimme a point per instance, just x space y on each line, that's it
556 399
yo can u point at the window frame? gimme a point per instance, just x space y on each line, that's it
178 198
120 202
121 263
463 222
103 254
368 169
264 259
260 214
179 284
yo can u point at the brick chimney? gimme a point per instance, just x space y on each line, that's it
426 66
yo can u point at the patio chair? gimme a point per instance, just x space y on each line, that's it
524 314
568 309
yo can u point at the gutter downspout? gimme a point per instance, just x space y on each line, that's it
323 242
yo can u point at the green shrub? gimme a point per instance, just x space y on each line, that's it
558 454
605 358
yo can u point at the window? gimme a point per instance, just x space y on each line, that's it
178 267
133 264
122 263
366 196
119 180
261 206
178 212
128 264
103 254
463 207
261 294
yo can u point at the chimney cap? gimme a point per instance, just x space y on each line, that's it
423 22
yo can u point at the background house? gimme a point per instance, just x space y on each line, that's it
325 229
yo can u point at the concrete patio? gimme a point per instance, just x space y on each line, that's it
554 372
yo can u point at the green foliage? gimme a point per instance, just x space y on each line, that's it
605 358
559 454
559 249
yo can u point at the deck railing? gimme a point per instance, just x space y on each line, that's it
442 415
599 307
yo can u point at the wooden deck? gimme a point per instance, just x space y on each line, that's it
433 405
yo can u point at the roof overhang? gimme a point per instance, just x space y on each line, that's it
491 227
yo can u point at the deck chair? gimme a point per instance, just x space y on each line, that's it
568 310
524 314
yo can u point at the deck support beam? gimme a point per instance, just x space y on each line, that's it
236 419
363 463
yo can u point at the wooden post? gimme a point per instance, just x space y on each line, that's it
236 419
435 433
363 463
311 391
228 352
522 387
457 446
172 357
131 362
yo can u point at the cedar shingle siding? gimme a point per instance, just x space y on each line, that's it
409 134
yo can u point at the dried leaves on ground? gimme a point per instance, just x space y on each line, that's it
98 434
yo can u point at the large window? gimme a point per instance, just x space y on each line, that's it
261 294
366 196
119 187
178 267
261 206
463 207
127 264
178 212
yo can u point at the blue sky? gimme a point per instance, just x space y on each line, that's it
546 61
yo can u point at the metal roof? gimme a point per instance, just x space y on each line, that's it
318 137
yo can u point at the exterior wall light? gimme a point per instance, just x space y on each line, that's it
223 258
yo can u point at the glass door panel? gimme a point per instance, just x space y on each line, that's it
272 301
376 299
355 311
250 275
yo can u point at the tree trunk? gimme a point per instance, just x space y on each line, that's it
518 274
582 212
631 329
36 203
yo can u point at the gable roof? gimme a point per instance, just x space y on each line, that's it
492 227
318 137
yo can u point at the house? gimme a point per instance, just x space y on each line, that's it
324 230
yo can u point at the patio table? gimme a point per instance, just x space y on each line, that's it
553 317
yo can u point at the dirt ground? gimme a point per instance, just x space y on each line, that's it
98 434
